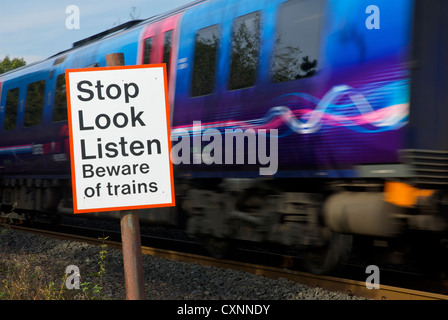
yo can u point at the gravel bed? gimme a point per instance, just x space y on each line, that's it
164 279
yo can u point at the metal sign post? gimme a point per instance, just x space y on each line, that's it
130 232
132 255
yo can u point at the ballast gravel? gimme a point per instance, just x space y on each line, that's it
164 279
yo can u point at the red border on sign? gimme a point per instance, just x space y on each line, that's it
72 158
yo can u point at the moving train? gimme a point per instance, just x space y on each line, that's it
340 105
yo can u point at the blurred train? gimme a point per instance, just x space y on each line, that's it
352 92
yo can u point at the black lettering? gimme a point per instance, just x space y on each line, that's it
123 143
131 91
99 86
144 168
153 187
100 149
100 172
98 118
112 151
142 185
113 170
84 90
83 151
126 91
110 95
109 187
135 145
122 148
81 122
126 189
135 118
159 147
126 170
133 188
87 171
125 120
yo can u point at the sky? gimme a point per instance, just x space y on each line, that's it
35 30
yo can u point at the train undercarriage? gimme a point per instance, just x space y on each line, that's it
317 219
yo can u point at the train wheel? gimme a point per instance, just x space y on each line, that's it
324 259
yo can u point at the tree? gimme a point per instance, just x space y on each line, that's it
290 64
245 48
7 64
207 43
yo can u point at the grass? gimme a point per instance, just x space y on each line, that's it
26 276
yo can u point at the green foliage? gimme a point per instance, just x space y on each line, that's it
12 102
26 277
7 64
93 291
290 65
245 47
35 98
207 42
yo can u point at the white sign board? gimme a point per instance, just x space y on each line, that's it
119 138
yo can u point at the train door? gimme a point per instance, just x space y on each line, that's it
159 45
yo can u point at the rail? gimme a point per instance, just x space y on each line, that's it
355 288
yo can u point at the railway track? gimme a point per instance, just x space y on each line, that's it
331 283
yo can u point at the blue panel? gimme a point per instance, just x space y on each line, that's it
350 42
357 103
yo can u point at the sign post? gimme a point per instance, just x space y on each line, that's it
132 255
120 149
130 232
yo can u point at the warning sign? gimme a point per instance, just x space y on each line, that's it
119 138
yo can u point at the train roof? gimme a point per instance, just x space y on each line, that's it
127 26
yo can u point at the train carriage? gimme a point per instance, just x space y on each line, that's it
347 97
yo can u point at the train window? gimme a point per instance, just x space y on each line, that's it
12 102
245 49
34 106
147 51
60 100
167 50
204 64
297 40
